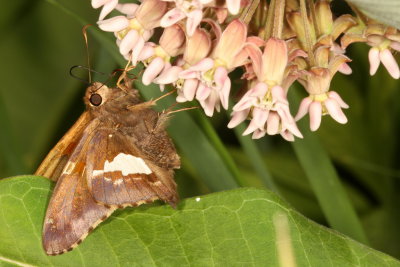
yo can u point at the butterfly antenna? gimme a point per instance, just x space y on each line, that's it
71 72
84 32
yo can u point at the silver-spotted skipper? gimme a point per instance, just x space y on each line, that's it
117 154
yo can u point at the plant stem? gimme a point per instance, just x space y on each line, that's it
306 25
279 15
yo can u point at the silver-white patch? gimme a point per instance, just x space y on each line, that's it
127 164
118 181
69 167
97 173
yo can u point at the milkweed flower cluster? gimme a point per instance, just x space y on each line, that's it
195 45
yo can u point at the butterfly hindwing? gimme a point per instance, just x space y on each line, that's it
72 212
119 174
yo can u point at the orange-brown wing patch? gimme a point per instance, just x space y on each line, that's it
55 161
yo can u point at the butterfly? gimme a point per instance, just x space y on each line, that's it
117 154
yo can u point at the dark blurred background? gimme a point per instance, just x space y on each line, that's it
39 101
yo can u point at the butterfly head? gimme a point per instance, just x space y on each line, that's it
97 94
101 97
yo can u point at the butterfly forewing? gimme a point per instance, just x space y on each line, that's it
72 211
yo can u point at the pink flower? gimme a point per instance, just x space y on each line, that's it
269 110
233 6
383 40
266 102
108 6
134 30
212 72
317 105
321 101
381 50
377 55
158 57
192 10
197 47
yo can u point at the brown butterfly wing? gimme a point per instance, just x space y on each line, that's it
72 212
55 161
119 174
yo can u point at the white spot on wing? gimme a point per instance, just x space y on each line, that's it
118 182
127 164
198 199
69 167
97 173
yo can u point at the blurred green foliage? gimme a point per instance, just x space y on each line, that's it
39 101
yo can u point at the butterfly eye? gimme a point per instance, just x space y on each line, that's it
95 99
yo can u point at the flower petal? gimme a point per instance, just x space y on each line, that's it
278 94
395 46
288 136
233 6
315 115
345 69
335 111
374 60
203 65
273 123
189 88
303 108
128 42
193 21
197 47
224 93
202 92
250 98
113 24
274 60
231 42
99 3
150 13
221 13
251 128
260 116
258 134
390 63
238 117
338 99
154 69
107 8
255 55
137 49
127 9
172 17
147 51
210 103
173 40
169 75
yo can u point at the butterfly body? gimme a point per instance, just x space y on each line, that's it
117 154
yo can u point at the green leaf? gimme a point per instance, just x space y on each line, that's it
232 228
386 11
